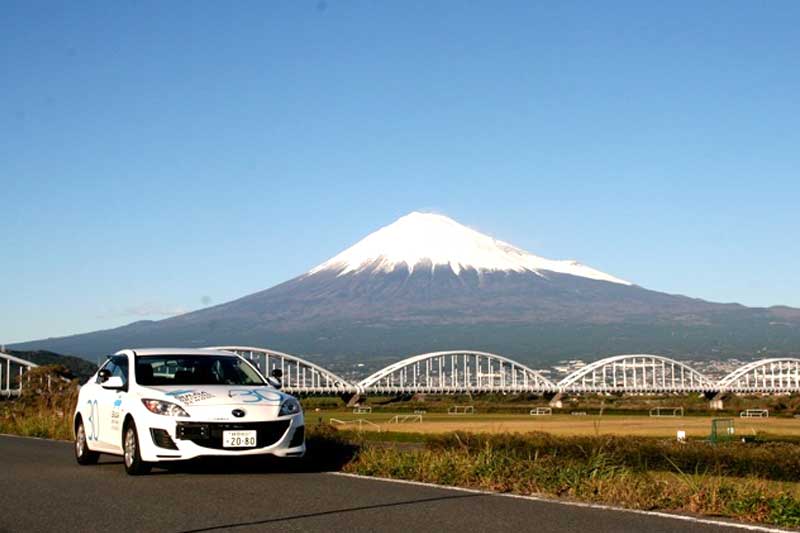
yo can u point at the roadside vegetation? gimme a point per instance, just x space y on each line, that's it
752 482
45 407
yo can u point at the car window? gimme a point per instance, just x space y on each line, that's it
120 363
195 370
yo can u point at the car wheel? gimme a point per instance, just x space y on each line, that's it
83 454
130 447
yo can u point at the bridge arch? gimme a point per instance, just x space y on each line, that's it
780 374
457 371
645 373
299 376
11 366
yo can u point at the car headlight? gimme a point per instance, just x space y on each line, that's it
290 406
161 407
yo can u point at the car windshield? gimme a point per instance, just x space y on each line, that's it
195 370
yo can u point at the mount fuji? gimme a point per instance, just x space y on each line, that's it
426 241
426 282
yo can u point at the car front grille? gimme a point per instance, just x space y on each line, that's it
209 435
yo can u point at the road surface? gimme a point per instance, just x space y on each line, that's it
43 489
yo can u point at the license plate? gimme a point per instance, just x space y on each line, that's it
239 439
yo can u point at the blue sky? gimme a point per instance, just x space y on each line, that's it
157 157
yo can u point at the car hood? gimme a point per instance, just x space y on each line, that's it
212 395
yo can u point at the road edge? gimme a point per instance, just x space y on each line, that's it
572 503
34 438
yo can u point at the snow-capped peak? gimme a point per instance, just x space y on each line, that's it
426 238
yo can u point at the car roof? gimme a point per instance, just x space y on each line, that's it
175 351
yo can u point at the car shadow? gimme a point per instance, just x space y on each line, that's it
318 458
287 518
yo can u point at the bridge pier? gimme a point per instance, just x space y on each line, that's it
715 402
351 399
555 401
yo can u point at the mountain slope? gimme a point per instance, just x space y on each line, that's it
426 282
77 367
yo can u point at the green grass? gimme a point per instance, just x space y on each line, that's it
693 404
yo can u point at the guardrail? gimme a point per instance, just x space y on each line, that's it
13 366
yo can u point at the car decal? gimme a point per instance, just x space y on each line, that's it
94 421
116 415
190 396
254 395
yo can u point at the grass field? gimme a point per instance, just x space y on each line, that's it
560 424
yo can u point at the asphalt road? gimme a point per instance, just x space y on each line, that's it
43 489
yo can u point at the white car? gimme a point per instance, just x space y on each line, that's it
158 405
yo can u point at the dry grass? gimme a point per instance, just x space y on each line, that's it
569 425
587 469
43 410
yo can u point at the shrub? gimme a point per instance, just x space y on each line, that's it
45 407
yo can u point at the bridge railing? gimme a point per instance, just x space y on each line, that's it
12 372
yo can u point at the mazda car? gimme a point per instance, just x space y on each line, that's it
152 406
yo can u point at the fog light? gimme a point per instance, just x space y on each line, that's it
298 437
162 439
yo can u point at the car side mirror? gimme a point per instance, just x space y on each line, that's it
113 382
274 378
103 375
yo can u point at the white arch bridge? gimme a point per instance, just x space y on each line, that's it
299 376
476 372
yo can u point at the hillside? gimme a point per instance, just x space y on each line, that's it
77 366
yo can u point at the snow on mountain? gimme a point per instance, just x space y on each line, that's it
426 240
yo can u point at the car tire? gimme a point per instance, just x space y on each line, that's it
131 455
83 454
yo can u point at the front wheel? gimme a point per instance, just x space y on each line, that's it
133 459
83 454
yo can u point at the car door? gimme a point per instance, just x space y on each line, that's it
110 405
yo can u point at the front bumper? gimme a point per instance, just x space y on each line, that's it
180 439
